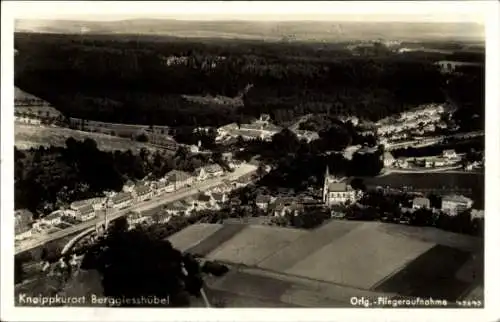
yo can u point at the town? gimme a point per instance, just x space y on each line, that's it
246 162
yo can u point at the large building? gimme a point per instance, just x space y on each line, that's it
23 222
454 204
337 191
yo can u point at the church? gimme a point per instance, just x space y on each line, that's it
337 191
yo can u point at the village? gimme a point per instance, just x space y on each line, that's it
132 193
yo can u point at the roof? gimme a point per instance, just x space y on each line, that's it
177 175
338 186
122 196
388 155
142 190
87 209
53 215
135 215
83 203
456 198
420 201
218 196
203 197
229 126
24 215
20 229
129 183
213 168
175 207
262 199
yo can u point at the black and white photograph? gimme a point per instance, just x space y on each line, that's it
168 159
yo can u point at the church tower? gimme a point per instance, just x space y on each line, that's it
326 182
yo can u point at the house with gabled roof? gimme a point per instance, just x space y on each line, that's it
121 200
85 213
143 193
128 186
52 219
135 218
421 202
23 221
200 174
454 204
263 201
214 170
180 178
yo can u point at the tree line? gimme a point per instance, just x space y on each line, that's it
130 82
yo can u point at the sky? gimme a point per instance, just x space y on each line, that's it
410 11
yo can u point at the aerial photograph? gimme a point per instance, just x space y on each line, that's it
239 163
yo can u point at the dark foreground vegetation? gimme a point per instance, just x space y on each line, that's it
142 80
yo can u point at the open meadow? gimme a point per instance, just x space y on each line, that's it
29 136
324 267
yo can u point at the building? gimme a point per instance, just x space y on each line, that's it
143 193
227 156
214 170
262 201
135 218
401 163
436 162
420 202
219 198
337 191
52 219
203 200
388 159
281 209
158 187
96 203
454 204
200 174
85 213
128 186
27 120
476 214
449 154
175 209
121 200
23 221
180 179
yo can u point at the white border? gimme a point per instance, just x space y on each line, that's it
425 10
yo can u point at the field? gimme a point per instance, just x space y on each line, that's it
192 235
27 137
348 261
216 239
430 274
254 244
326 266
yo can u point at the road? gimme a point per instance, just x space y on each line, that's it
154 202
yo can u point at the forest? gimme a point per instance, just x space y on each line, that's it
143 80
48 178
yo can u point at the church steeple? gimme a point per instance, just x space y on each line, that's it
326 181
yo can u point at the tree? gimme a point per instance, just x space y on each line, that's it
134 264
142 138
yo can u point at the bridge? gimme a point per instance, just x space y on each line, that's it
75 239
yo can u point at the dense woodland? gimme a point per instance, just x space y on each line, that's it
47 178
133 80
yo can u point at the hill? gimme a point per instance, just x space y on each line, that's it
27 137
269 30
